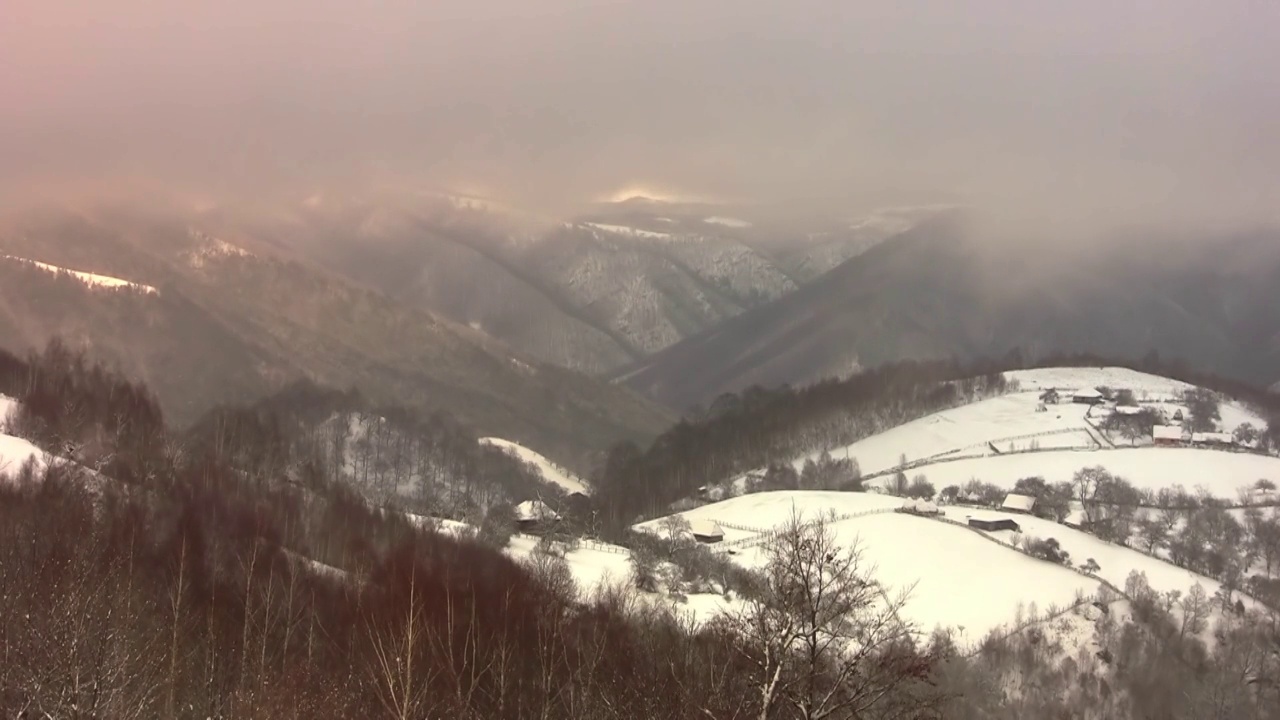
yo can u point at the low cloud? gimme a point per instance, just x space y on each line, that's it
1076 117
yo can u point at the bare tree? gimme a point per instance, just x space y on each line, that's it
676 527
825 638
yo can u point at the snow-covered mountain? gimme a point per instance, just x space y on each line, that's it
594 292
940 290
221 307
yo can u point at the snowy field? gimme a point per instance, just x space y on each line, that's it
551 472
1221 473
1068 379
90 279
966 430
14 451
961 579
762 512
591 564
1116 562
1012 424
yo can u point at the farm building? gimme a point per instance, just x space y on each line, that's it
534 515
1211 439
920 507
1128 410
1177 415
1014 502
1166 435
706 531
1074 519
1086 396
993 524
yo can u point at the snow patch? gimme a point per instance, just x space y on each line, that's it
630 231
211 248
93 280
727 222
551 472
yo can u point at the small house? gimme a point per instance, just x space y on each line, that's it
532 515
706 531
1166 435
994 524
1128 410
1086 396
1075 519
1177 415
1014 502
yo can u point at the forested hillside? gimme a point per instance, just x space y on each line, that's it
228 574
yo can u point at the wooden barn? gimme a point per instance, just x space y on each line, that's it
535 515
1087 396
1166 435
1014 502
706 531
994 524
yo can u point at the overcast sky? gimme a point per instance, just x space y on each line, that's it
1123 111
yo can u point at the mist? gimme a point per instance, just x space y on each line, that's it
1074 117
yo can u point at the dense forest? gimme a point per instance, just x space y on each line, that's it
234 572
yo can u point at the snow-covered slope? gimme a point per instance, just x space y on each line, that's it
1115 562
960 579
88 278
994 439
551 472
1221 473
14 451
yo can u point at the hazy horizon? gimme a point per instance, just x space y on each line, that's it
1081 117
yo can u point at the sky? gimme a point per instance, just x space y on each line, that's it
1115 112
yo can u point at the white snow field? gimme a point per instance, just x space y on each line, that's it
551 472
962 580
1145 386
1007 421
14 451
748 516
1221 473
1116 562
88 278
592 564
